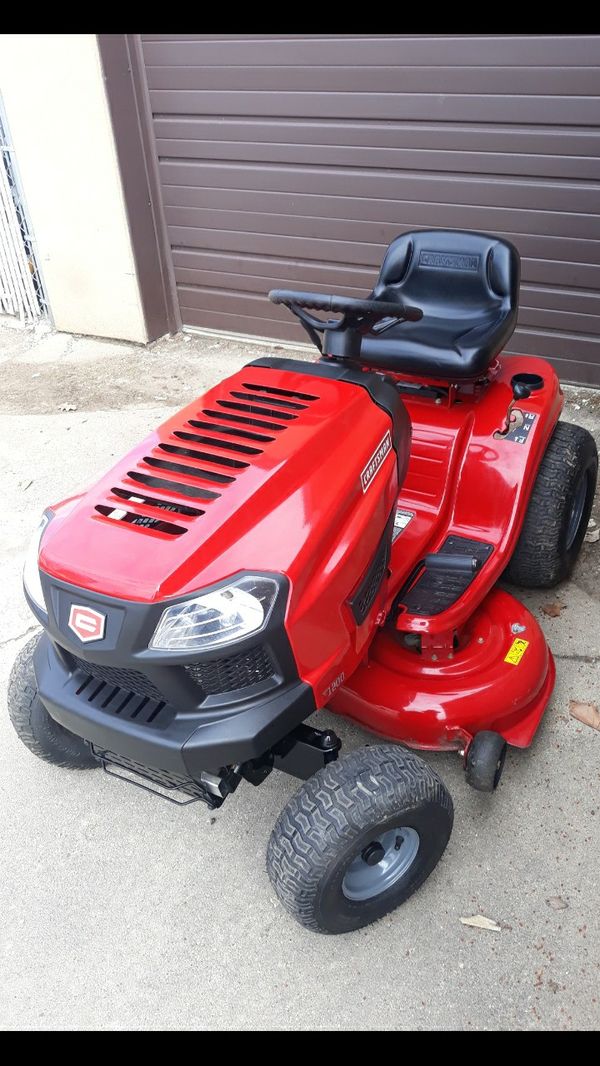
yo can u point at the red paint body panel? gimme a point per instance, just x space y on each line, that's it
297 508
442 705
461 480
285 495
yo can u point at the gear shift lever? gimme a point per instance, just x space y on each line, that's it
520 391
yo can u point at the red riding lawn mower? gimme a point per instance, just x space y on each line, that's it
324 534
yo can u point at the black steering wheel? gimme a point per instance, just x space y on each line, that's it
357 315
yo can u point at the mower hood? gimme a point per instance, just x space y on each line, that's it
263 473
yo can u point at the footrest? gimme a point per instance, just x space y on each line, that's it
445 576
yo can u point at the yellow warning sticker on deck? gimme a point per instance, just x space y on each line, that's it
516 651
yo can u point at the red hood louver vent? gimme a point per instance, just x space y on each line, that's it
224 485
235 419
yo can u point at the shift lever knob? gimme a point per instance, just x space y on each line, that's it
521 391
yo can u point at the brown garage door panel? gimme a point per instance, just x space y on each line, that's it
466 162
375 183
238 323
292 160
567 352
351 105
558 273
274 244
586 303
252 269
186 221
357 50
251 274
578 308
229 282
417 214
455 137
455 81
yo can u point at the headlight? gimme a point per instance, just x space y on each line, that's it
216 618
31 570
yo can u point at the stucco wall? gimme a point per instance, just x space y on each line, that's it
55 103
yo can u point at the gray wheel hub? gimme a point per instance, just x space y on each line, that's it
382 863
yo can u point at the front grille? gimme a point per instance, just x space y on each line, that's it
129 680
234 672
110 698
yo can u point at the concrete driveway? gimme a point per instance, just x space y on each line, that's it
119 911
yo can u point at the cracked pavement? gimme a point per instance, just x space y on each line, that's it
118 911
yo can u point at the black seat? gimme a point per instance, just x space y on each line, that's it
467 285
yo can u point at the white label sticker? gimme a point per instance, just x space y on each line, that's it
335 684
401 520
376 461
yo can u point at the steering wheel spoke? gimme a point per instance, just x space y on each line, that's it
312 320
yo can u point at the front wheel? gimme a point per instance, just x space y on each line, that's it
33 725
359 838
558 511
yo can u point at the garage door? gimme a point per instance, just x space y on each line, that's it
293 160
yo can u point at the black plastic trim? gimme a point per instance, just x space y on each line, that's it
214 730
305 751
206 739
130 626
358 605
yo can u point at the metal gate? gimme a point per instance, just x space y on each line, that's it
21 290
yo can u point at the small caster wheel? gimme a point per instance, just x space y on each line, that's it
485 761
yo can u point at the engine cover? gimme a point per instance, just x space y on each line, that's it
285 467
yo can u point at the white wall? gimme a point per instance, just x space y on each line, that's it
58 119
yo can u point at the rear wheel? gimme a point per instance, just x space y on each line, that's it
359 838
33 725
558 511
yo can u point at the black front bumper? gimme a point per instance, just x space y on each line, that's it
188 742
161 711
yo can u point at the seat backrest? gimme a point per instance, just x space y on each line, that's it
461 281
443 268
